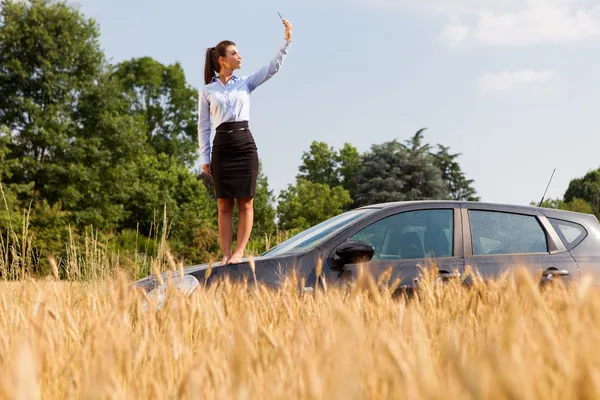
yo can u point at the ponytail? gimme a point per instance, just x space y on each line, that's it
211 63
209 68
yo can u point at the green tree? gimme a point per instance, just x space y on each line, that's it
49 55
83 144
4 152
349 165
167 104
582 206
162 181
94 175
576 204
424 179
393 171
319 165
10 218
459 187
306 204
322 164
50 66
587 189
50 229
549 203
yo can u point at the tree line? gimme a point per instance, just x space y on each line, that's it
93 148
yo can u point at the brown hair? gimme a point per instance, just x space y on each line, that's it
211 64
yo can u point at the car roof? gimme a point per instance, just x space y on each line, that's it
433 202
550 212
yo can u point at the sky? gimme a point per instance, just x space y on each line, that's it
512 85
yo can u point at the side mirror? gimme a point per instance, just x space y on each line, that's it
354 251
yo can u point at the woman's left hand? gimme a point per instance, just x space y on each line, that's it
288 29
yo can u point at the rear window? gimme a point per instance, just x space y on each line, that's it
570 233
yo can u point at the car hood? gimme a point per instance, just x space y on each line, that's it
266 268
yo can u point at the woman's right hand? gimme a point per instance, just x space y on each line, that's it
288 29
206 169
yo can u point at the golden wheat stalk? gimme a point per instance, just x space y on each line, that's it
499 339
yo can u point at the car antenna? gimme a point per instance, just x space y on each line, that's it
542 200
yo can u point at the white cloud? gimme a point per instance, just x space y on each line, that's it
541 22
504 81
508 22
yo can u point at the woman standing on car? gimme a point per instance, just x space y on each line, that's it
234 161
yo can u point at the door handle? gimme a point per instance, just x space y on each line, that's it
448 275
550 272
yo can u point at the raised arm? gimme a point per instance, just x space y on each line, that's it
266 72
204 128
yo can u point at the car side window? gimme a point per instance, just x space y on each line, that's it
495 232
410 235
570 233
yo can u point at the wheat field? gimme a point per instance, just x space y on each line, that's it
505 339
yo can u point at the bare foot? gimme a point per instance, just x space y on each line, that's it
225 260
235 258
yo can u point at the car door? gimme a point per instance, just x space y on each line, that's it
500 239
405 242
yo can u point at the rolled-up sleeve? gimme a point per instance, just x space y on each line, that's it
204 127
266 72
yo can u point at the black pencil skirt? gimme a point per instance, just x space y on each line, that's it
234 161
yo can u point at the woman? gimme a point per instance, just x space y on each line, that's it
233 162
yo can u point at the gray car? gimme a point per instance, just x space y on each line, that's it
407 236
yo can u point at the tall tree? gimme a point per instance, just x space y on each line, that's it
322 164
162 181
78 137
319 165
93 176
167 104
424 179
459 187
306 204
393 171
350 163
586 188
49 55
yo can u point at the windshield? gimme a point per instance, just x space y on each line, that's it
317 234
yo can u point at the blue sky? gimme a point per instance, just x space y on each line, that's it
512 85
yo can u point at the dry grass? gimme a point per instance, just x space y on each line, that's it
499 340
